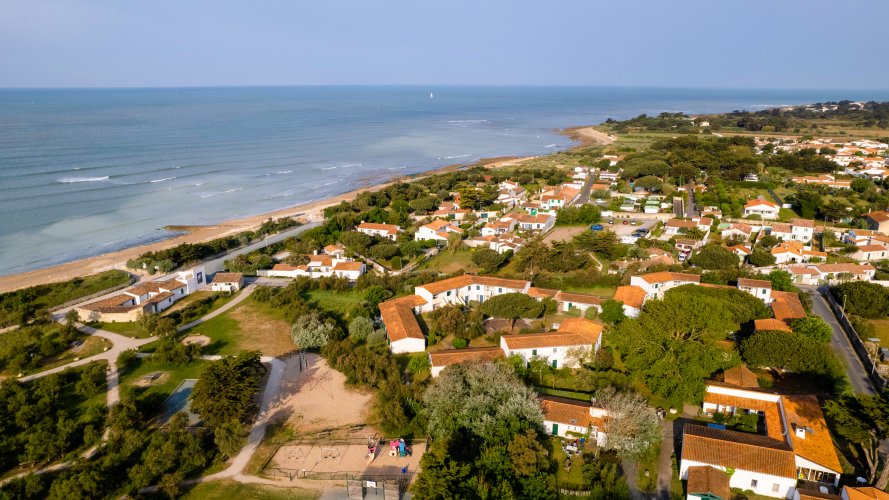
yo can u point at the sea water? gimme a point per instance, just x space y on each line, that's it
84 172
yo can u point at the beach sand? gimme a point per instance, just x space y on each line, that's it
306 212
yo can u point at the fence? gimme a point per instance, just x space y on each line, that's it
860 349
91 296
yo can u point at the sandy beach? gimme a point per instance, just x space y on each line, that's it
307 212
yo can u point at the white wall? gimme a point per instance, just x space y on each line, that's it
407 345
742 479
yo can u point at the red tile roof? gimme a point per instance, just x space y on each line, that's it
749 452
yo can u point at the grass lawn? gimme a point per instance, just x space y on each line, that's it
881 330
127 329
574 477
231 489
90 347
336 302
448 262
132 379
250 326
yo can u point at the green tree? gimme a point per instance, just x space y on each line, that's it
309 332
489 260
861 298
813 327
230 437
795 352
862 421
449 320
360 328
782 280
715 257
612 311
512 306
226 389
761 258
767 242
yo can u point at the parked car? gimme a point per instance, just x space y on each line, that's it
626 222
634 222
597 227
611 221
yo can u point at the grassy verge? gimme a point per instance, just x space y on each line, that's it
90 347
881 330
127 329
231 489
251 325
448 262
337 302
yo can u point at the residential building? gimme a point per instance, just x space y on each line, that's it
795 252
767 210
773 324
738 229
500 243
798 230
863 493
712 212
580 302
869 253
319 266
387 231
841 272
655 285
557 197
560 348
227 282
500 226
572 418
350 270
335 251
825 180
402 329
437 230
511 193
761 289
439 360
803 275
707 483
467 288
674 226
786 306
538 223
878 221
632 298
742 251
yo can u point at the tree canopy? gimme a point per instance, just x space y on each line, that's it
226 389
715 257
512 306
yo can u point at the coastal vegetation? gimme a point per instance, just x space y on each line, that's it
21 306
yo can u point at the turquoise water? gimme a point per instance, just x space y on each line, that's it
84 172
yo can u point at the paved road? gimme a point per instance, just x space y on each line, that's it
216 265
665 461
861 383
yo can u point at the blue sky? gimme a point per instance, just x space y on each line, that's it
678 43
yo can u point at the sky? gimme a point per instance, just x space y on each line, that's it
773 44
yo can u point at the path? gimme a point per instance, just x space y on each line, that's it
665 462
841 345
228 305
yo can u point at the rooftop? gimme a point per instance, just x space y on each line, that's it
749 452
472 279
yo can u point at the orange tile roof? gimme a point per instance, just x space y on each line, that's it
770 324
348 266
786 306
681 223
802 222
228 277
550 339
760 201
438 225
630 295
880 216
389 228
449 357
704 479
472 279
663 277
754 283
865 493
844 268
286 267
871 248
566 411
581 326
749 452
740 376
400 322
578 298
540 293
804 411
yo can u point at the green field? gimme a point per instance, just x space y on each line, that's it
448 262
231 489
251 325
336 302
127 329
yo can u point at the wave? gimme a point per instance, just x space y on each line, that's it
221 192
162 180
457 156
467 121
551 146
69 180
349 165
329 168
284 172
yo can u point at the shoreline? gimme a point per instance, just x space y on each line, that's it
305 212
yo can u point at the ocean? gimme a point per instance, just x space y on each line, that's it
84 172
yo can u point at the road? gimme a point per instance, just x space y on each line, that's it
856 372
216 265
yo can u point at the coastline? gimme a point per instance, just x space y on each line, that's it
305 212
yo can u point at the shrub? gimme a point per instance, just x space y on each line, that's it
459 343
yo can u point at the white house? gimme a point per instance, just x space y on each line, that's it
540 223
855 272
632 298
560 349
555 198
351 270
798 230
795 252
511 193
402 329
227 282
319 266
572 418
763 208
869 253
761 289
437 230
466 288
674 226
500 226
500 244
655 285
388 231
738 229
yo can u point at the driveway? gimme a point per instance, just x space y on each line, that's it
841 345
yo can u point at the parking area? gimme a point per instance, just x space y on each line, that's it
622 229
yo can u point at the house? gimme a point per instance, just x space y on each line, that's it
554 198
227 282
500 244
609 176
863 493
439 360
868 253
500 226
712 212
773 324
738 229
572 418
707 483
437 230
803 275
674 226
150 297
539 223
655 285
466 288
800 230
580 302
510 193
742 251
560 349
826 180
335 251
786 306
839 272
387 231
632 298
319 266
795 445
794 251
761 289
763 208
350 270
402 329
878 221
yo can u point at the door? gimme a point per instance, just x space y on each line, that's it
555 429
555 362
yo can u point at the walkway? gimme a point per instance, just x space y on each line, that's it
841 345
230 304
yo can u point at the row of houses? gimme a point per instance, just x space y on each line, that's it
332 263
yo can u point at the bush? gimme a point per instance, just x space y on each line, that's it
868 300
459 343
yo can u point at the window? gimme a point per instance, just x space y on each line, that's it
753 484
775 487
448 293
533 352
555 349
